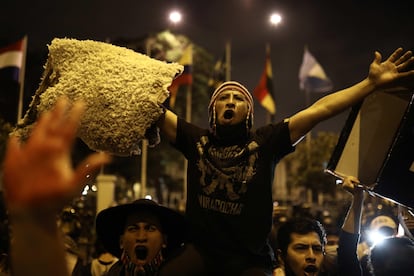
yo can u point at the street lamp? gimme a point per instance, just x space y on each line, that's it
275 19
175 17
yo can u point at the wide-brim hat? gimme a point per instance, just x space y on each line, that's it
110 224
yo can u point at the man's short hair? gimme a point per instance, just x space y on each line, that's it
298 225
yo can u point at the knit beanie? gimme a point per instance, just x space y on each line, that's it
226 86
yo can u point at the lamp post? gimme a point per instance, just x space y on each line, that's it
280 191
274 19
175 17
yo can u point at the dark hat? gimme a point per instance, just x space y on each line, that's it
110 224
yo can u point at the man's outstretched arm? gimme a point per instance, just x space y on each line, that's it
388 74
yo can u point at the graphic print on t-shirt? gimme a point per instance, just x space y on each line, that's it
225 174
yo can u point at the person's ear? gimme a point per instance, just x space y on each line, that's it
280 259
279 255
165 241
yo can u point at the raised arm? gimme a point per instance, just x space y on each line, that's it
168 125
348 262
38 179
352 222
391 73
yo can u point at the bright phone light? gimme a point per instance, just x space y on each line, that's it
376 237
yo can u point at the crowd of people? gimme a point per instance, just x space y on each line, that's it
229 209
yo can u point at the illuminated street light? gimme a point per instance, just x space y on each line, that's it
175 17
275 19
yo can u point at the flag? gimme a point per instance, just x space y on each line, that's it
312 77
186 77
12 67
218 75
221 70
264 90
11 60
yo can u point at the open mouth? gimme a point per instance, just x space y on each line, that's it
228 114
311 269
141 252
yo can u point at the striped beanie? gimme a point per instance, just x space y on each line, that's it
226 86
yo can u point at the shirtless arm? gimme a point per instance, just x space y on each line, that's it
168 125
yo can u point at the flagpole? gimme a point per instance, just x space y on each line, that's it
188 116
188 119
268 118
21 80
144 147
228 61
309 134
311 69
268 114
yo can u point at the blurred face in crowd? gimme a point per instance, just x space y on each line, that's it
231 107
142 238
332 242
304 254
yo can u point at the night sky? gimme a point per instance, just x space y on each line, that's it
342 35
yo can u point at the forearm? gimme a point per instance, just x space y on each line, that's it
168 125
333 104
352 222
37 246
390 73
328 107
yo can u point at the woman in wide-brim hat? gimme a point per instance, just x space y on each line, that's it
142 234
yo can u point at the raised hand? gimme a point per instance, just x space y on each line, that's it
351 184
394 71
38 172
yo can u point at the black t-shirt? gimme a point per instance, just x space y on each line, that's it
229 191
